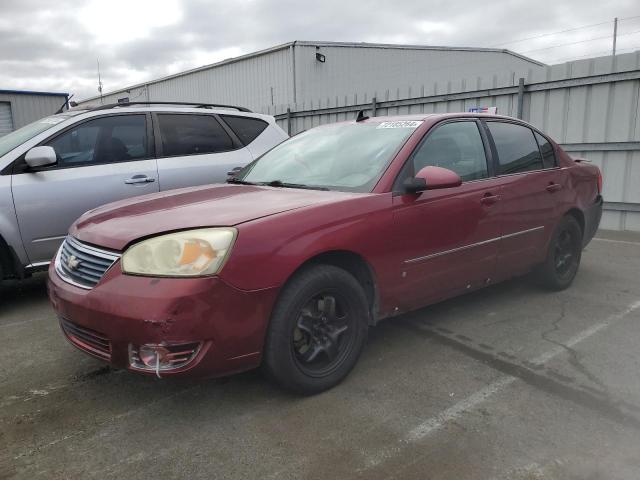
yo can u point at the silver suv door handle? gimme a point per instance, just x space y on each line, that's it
139 179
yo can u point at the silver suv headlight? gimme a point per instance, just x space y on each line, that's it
190 253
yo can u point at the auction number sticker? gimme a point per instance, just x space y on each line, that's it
401 124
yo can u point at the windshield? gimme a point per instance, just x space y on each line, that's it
347 157
18 137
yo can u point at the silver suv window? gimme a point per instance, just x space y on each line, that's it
247 129
110 139
184 134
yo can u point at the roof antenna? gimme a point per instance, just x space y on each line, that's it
99 81
361 116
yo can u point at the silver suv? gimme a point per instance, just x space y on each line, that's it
55 169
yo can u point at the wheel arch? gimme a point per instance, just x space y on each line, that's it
579 216
356 265
9 262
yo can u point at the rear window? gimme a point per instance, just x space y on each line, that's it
517 148
192 135
546 149
247 129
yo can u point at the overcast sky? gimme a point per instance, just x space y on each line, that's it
53 45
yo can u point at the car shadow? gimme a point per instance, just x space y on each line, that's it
22 293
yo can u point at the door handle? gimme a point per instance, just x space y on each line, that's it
139 179
233 171
489 199
553 187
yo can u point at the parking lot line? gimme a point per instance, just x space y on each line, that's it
610 240
436 422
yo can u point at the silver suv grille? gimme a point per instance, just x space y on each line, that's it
82 265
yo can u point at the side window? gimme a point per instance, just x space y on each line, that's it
103 140
457 146
192 135
546 149
517 148
246 128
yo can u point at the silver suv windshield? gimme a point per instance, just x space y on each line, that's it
347 157
18 137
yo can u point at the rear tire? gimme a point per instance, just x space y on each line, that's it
318 330
563 256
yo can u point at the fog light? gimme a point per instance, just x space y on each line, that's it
154 355
162 357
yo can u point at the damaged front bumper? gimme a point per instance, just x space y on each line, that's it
199 327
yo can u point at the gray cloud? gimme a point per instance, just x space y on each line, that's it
46 45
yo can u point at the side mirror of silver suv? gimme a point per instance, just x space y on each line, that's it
40 157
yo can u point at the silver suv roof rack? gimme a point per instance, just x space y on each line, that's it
196 105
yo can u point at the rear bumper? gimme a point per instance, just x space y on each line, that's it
229 323
592 218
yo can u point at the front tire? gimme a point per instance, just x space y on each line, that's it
317 331
563 256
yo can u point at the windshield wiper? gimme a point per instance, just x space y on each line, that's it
280 183
238 181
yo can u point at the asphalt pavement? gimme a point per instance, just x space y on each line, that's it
511 382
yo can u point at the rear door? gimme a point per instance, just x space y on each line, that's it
448 238
196 149
100 160
531 185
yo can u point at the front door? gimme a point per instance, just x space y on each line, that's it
448 238
99 161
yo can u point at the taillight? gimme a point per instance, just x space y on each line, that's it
599 181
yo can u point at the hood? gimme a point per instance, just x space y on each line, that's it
117 224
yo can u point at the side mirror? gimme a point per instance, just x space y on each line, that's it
432 178
40 157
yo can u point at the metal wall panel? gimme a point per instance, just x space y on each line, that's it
255 83
380 72
352 73
27 108
6 119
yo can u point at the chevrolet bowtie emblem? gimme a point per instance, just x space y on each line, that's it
73 262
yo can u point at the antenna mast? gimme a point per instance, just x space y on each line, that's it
99 81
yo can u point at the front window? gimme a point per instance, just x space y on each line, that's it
18 137
346 157
102 140
456 146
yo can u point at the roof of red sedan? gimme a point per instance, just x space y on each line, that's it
425 116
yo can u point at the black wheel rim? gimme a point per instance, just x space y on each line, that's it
323 334
566 253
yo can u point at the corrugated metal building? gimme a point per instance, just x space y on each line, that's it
21 107
302 72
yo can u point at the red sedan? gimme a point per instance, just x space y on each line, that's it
288 264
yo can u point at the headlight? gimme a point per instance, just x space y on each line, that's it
191 253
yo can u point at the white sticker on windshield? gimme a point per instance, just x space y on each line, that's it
401 124
52 121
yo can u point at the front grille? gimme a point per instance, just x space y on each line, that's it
86 339
81 264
